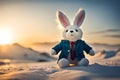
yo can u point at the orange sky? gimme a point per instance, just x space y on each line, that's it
35 21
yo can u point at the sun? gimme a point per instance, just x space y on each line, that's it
6 36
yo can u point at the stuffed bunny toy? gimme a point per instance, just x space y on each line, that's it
72 46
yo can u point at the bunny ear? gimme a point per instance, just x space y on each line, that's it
63 19
79 17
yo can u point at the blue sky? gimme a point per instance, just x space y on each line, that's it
35 20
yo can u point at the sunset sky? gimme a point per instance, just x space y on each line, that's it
30 21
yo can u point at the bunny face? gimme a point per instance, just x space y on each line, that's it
72 32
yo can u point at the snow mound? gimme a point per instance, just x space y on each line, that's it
16 51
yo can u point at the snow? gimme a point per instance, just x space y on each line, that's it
50 71
18 52
100 68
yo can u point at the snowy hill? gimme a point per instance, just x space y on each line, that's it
105 65
16 51
100 46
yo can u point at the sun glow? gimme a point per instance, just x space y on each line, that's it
6 36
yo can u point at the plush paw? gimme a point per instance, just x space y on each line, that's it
91 52
53 52
83 62
63 63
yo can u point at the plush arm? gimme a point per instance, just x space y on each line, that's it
91 52
88 49
55 50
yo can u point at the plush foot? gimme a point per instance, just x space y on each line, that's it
83 62
63 63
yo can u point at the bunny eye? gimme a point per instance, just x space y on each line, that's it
66 31
76 30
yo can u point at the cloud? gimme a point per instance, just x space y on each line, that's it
106 31
113 30
114 36
113 33
44 43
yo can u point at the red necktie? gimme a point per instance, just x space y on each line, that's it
72 51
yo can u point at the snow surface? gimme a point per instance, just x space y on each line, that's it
100 68
18 52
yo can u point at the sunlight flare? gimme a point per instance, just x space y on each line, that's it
6 36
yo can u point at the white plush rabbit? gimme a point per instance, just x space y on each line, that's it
72 46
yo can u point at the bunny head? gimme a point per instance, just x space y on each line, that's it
72 32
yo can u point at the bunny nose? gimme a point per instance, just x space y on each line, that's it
71 31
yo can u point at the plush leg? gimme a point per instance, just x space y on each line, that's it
63 63
83 62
